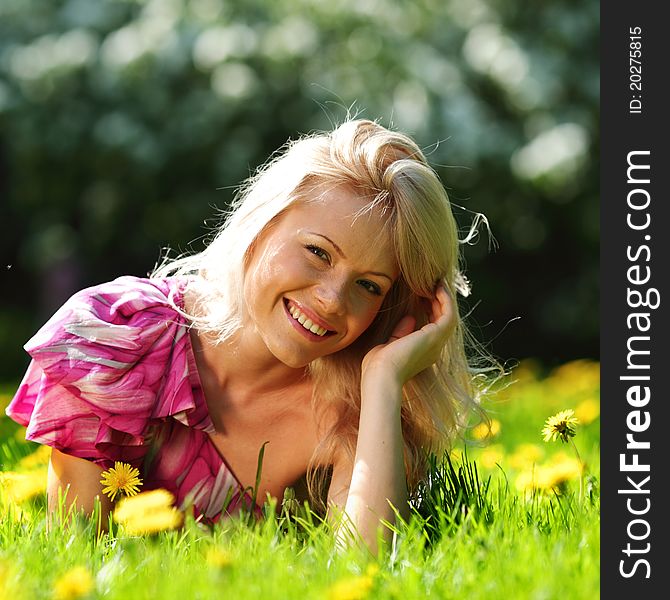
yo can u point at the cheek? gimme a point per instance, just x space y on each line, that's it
365 315
273 273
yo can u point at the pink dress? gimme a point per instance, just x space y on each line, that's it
113 377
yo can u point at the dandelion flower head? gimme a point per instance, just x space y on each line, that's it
353 588
75 583
122 478
588 410
219 558
486 431
148 513
561 425
19 487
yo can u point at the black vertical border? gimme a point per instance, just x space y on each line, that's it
623 132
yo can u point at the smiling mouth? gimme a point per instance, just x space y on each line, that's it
306 323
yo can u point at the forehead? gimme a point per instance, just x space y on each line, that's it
342 215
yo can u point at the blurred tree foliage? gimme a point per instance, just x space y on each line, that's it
124 123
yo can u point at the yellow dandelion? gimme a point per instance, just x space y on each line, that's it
587 410
575 377
75 583
525 455
148 524
148 512
145 502
528 370
528 480
372 569
19 487
559 473
219 558
491 456
536 478
483 431
39 458
561 425
122 478
550 476
352 588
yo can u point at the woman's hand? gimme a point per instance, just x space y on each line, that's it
408 352
378 482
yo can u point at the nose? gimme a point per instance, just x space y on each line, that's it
330 296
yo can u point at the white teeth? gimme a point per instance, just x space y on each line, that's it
306 323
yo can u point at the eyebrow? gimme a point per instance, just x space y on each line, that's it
339 251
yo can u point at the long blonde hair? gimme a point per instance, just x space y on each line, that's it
389 171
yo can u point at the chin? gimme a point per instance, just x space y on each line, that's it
300 361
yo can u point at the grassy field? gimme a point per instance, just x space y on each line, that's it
507 515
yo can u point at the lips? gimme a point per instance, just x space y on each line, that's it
308 321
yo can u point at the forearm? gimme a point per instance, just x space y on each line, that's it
79 481
378 476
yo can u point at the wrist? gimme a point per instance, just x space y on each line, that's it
381 371
381 385
381 375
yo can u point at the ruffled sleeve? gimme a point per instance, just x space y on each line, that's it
111 362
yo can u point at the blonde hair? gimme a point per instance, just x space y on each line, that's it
389 170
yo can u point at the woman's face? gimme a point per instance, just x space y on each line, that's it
317 277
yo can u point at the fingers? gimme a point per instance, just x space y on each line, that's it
446 302
440 309
442 306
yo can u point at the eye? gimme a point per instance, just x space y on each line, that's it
371 287
317 251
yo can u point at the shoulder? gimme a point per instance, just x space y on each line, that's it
108 327
111 360
123 297
96 311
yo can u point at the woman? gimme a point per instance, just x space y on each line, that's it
321 323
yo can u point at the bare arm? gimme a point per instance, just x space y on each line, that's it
81 479
377 476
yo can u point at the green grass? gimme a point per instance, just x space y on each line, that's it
473 533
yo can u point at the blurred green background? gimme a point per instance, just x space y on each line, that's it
125 124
